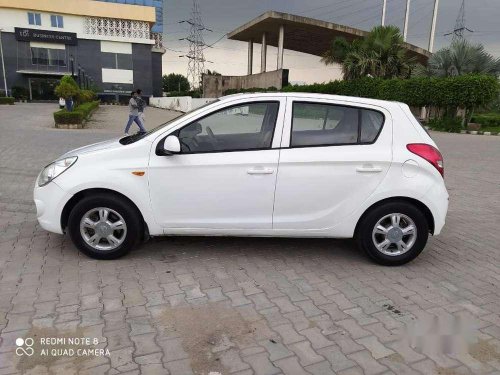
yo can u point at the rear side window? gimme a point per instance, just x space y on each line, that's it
316 124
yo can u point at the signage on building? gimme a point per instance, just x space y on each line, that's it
107 91
33 35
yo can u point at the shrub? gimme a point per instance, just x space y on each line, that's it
20 93
87 108
487 119
65 117
67 88
447 124
77 116
85 96
6 100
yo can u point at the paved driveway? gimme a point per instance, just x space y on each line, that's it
243 306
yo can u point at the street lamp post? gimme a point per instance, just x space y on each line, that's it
79 74
433 26
72 61
3 65
83 78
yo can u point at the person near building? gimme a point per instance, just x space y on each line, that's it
133 115
141 106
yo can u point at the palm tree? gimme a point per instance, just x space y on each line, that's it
380 54
461 57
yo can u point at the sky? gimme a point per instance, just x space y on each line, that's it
230 57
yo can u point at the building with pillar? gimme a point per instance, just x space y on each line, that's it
285 31
109 45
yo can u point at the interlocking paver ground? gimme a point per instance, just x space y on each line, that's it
246 305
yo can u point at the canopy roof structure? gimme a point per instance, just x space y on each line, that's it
303 34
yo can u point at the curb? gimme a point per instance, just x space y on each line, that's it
470 132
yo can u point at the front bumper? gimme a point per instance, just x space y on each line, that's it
50 201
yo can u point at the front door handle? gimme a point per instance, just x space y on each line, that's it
368 169
260 171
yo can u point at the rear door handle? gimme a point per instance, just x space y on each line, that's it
260 171
368 170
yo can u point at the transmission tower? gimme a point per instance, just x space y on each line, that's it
196 63
460 28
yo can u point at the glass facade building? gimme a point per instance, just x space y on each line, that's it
158 4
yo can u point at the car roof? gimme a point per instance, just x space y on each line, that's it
306 95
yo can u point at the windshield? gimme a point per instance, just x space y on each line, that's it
135 137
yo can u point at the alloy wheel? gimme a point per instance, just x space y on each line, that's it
103 228
394 234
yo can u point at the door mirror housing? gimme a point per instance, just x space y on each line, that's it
172 145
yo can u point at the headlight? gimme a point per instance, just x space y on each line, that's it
53 170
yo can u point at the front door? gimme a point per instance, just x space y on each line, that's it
334 157
225 175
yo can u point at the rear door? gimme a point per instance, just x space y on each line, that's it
334 155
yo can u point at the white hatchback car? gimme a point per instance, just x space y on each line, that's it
280 165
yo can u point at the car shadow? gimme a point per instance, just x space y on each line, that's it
173 248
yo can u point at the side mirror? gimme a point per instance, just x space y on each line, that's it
172 145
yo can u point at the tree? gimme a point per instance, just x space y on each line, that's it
461 57
380 54
175 82
67 89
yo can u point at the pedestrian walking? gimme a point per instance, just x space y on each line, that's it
133 115
141 103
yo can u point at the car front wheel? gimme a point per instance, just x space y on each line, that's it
393 233
105 226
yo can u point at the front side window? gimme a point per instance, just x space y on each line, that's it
34 19
316 124
56 21
239 128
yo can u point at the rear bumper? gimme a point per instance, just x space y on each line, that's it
437 200
50 200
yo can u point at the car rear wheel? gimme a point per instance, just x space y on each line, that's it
393 233
105 226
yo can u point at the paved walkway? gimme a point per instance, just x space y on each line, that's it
246 306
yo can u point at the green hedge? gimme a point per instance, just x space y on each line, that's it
446 124
77 116
87 108
193 93
468 91
487 119
7 100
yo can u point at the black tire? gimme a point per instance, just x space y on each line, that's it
372 217
129 213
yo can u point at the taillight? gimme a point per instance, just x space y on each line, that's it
429 153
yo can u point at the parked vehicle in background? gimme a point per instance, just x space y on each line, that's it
280 165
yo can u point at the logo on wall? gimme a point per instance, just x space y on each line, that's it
33 35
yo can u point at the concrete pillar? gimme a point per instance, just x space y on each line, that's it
281 43
250 56
263 54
